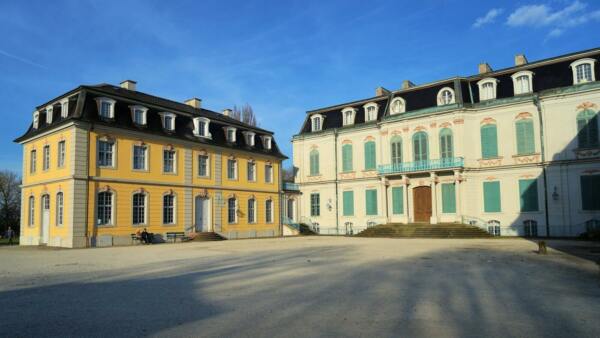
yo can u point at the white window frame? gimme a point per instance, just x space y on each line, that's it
515 77
112 208
269 213
313 124
61 153
375 111
64 108
173 208
252 201
32 161
251 163
163 118
267 142
235 210
205 133
146 152
207 165
145 215
573 65
46 157
482 83
402 107
31 220
111 110
174 166
440 96
112 151
348 121
49 114
60 208
235 169
36 119
233 132
249 138
144 111
268 172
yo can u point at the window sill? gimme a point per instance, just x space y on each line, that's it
170 173
106 167
140 170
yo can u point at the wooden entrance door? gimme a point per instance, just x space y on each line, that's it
422 203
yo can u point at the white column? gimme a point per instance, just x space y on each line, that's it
384 200
434 211
407 218
458 199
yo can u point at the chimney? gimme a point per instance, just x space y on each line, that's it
380 91
128 84
407 84
484 67
520 60
227 112
194 102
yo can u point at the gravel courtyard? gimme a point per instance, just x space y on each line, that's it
301 287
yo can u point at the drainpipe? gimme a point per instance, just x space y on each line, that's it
536 102
337 220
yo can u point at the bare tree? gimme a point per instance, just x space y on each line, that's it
10 201
245 114
288 174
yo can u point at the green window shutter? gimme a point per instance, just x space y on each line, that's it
528 195
314 162
446 148
590 192
370 160
525 139
489 141
347 157
420 146
396 147
371 201
348 203
491 197
587 129
448 198
398 200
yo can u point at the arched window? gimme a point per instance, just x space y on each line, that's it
139 208
487 89
398 106
396 150
347 157
587 129
446 144
420 147
59 208
231 210
105 208
316 122
525 139
314 162
445 96
489 141
522 83
583 70
370 157
31 211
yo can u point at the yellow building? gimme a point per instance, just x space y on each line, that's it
101 162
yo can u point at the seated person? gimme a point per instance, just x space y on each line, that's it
138 235
147 237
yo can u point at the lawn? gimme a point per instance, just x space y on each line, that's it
4 241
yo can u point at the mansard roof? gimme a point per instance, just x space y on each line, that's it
82 107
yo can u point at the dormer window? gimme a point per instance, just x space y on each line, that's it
398 106
49 114
446 96
201 127
371 111
348 115
487 89
168 121
64 108
230 134
138 115
36 119
316 122
249 136
267 140
583 71
522 82
106 108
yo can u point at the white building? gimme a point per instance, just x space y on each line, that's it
517 149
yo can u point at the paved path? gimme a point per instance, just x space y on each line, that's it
301 287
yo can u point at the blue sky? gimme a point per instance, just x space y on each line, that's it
281 57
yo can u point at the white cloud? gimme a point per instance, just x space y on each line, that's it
575 14
489 17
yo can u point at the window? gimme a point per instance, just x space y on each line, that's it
348 115
31 211
446 147
445 96
203 166
397 200
316 122
231 169
169 161
528 195
587 129
251 171
105 153
169 209
522 82
314 162
487 89
489 141
61 154
36 119
32 161
139 157
371 111
590 192
106 108
249 137
396 150
252 210
491 197
105 208
315 206
347 157
201 127
530 227
64 108
370 158
398 105
267 142
46 157
231 210
583 70
348 197
268 173
230 134
49 114
138 115
269 211
420 146
59 208
525 139
494 228
371 201
290 209
139 209
448 198
168 121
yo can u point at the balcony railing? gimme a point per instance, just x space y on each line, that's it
291 186
427 165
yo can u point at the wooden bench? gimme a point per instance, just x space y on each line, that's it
135 238
177 235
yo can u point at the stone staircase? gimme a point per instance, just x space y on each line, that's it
425 230
208 236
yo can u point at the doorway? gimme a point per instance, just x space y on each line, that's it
202 208
422 203
45 219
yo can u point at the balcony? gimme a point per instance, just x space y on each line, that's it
289 186
427 165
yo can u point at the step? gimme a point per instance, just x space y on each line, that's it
424 230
